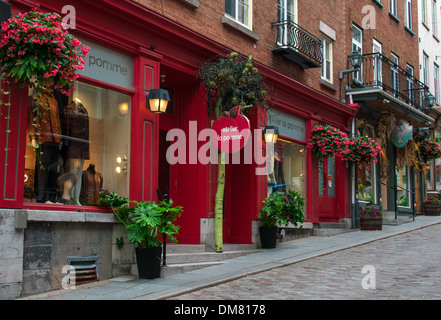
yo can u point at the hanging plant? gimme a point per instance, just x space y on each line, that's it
430 148
326 141
361 150
36 50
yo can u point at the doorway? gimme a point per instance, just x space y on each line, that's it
326 188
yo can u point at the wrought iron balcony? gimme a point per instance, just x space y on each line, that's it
298 45
389 86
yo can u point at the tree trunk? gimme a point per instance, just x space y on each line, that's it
219 204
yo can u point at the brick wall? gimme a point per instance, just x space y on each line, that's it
207 20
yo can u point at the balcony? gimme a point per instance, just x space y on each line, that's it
298 45
388 87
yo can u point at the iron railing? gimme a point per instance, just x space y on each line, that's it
380 72
291 35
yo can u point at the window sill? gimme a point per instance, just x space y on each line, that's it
425 25
409 30
394 17
435 37
192 3
226 20
378 3
328 84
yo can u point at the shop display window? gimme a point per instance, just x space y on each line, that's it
77 146
289 168
366 185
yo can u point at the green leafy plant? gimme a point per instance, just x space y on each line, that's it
282 208
146 221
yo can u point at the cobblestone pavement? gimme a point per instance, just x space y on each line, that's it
405 267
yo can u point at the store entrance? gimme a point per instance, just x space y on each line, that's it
327 186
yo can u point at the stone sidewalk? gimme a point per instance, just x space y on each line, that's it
285 254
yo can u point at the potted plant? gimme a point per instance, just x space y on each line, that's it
326 141
432 207
371 219
361 150
146 222
279 208
430 149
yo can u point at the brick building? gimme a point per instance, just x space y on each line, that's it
298 46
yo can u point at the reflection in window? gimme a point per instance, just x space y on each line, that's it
366 175
73 155
288 168
403 196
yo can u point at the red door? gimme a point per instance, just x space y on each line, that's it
326 187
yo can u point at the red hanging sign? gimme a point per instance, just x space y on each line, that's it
231 131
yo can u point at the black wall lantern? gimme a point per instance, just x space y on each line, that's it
5 11
356 60
430 99
157 100
270 134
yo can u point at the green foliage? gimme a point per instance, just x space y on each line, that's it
232 81
145 221
282 208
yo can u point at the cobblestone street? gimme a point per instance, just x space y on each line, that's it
406 267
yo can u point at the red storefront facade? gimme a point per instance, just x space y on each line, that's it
162 53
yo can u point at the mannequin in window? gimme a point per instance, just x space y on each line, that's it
66 182
76 142
92 184
47 138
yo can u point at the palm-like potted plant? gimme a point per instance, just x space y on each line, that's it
146 222
279 208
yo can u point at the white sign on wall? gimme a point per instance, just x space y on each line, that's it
289 126
108 66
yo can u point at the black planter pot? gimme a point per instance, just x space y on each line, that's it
268 237
149 262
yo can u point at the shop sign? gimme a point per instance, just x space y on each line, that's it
402 133
231 133
108 66
289 126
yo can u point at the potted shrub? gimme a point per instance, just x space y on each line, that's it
146 222
432 207
371 219
279 208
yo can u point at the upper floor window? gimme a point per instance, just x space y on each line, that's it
393 7
436 83
434 19
424 11
357 45
327 60
408 14
239 10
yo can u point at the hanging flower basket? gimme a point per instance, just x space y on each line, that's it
430 149
36 50
326 141
361 151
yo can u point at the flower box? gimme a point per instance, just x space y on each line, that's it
371 219
432 209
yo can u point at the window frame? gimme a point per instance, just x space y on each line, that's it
393 8
408 14
327 43
236 18
358 46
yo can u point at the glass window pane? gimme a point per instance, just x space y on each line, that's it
76 156
230 7
288 168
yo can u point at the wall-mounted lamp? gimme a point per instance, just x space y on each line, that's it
356 60
270 134
430 99
157 100
121 160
